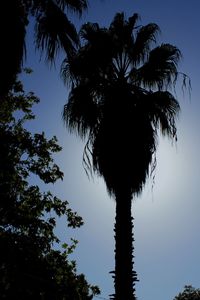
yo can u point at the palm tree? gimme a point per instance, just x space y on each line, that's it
119 101
53 31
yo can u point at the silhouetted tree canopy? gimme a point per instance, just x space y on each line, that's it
189 293
30 267
121 98
53 31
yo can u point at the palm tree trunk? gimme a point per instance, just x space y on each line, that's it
124 276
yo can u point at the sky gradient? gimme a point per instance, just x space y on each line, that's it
167 222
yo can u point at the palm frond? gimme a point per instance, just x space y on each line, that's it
65 73
118 22
98 46
121 32
80 114
132 21
89 31
71 70
87 157
163 110
145 37
76 6
55 31
81 67
160 71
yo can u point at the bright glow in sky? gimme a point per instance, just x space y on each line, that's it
167 223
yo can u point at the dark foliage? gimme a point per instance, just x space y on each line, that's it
53 32
189 293
30 267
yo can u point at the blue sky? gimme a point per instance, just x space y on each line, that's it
167 222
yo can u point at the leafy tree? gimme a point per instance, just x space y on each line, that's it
30 267
120 99
189 293
53 31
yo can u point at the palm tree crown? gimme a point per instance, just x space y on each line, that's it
119 99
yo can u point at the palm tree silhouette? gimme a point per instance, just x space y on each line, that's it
53 31
119 101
